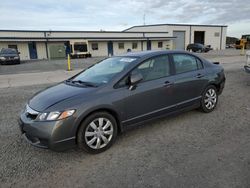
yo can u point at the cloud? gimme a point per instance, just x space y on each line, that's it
119 14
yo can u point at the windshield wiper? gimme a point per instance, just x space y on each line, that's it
89 84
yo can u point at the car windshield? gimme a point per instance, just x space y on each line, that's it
8 51
103 72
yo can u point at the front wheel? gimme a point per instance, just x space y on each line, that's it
209 99
97 132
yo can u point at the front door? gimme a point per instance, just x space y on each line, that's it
153 95
148 44
32 50
110 48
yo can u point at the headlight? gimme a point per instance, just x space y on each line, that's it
16 57
2 58
50 116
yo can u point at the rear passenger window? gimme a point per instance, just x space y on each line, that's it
186 63
154 68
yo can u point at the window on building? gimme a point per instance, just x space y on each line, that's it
80 47
12 46
134 45
185 63
216 34
121 45
154 68
94 46
160 44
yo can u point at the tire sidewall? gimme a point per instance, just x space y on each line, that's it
81 132
203 106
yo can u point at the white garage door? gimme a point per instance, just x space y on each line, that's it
180 40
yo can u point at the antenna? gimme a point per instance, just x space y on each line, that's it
144 19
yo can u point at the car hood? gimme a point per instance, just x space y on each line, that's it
8 55
55 94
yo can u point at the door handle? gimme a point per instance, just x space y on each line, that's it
168 84
199 75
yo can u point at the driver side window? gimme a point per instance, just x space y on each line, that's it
151 69
154 68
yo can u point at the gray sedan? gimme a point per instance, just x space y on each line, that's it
91 108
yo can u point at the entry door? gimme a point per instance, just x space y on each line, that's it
148 44
180 40
32 50
110 48
153 95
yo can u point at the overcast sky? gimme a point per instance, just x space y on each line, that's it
121 14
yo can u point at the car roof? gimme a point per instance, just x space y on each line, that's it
151 53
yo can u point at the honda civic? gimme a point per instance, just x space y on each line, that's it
89 109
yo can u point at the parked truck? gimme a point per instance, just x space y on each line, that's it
79 49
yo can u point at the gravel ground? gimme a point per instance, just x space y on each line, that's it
192 149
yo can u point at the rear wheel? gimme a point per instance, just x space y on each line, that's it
209 99
97 132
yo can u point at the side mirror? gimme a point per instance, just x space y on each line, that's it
134 79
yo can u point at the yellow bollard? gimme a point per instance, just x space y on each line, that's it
69 63
242 52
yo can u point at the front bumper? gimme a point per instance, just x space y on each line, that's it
10 61
222 85
55 135
247 68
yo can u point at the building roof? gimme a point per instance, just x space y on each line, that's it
67 31
24 35
151 25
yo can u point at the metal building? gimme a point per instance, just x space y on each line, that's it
214 35
56 44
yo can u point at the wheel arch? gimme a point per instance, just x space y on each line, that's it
216 85
109 110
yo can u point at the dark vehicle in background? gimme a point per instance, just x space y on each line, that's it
9 56
92 107
196 47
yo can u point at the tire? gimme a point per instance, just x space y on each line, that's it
209 99
94 142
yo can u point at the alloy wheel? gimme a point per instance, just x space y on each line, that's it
210 98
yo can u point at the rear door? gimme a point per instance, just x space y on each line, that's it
153 95
190 78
